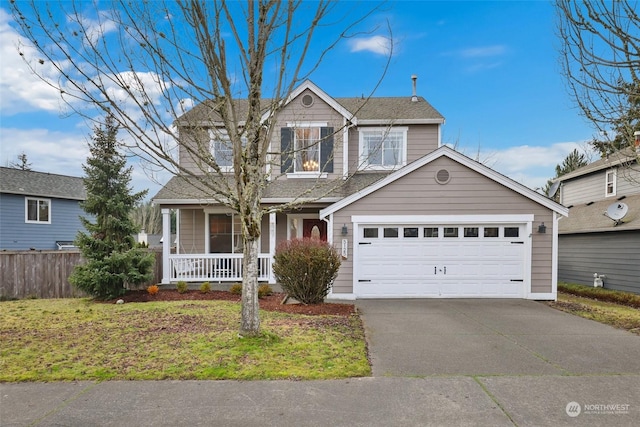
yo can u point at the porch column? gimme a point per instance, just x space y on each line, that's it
272 244
166 245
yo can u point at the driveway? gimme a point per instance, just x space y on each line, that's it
484 337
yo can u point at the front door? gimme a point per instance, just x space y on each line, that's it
315 228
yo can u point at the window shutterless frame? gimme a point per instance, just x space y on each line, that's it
37 210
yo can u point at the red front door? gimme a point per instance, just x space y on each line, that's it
314 228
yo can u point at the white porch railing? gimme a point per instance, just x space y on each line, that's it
214 267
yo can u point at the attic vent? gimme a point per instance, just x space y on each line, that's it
307 100
443 176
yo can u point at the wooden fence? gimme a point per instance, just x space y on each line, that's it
45 274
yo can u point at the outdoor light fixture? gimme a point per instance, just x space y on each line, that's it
345 230
542 228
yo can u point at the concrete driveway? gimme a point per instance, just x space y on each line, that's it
481 337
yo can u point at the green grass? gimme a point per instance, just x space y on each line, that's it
77 339
579 300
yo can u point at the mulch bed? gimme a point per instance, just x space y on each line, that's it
269 303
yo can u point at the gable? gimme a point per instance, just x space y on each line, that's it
472 186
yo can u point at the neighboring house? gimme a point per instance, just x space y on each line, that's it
39 210
416 219
590 241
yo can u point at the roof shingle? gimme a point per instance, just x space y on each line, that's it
41 184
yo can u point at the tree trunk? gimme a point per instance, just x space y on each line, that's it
250 322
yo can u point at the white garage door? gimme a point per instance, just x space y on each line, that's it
445 260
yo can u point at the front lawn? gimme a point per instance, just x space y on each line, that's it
77 339
618 309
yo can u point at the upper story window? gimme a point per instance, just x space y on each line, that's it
383 148
306 150
37 211
610 187
222 149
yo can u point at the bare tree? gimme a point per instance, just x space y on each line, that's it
600 58
22 163
148 62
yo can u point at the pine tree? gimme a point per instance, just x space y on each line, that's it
112 259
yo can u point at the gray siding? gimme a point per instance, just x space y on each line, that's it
615 254
468 193
16 234
591 188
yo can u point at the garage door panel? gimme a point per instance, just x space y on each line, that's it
440 267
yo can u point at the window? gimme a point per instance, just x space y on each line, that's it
391 232
491 231
371 233
307 148
471 232
431 232
610 189
37 211
383 148
222 149
224 234
511 232
451 232
410 231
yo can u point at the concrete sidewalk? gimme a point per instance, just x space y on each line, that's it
452 400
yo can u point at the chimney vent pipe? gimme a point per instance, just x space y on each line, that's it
414 96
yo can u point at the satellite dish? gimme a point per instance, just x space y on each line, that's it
553 189
617 211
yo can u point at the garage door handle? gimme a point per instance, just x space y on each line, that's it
517 243
364 243
364 280
517 280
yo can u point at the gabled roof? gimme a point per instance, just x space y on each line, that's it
590 217
618 158
361 111
460 158
41 184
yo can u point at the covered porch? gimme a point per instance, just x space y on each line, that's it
208 244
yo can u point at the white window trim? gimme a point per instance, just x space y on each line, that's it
614 174
363 161
26 210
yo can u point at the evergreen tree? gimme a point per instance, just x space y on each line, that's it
112 259
573 161
22 163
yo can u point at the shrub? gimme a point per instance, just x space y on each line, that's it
264 291
205 287
236 289
306 269
182 286
153 289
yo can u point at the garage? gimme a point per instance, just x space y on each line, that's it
441 260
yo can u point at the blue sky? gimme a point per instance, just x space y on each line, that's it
490 68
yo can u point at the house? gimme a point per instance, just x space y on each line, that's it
415 219
39 210
602 233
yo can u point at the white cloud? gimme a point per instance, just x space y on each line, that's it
528 165
20 90
376 44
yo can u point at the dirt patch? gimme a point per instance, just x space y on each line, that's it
270 303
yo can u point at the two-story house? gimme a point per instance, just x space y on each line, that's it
410 216
39 210
602 233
